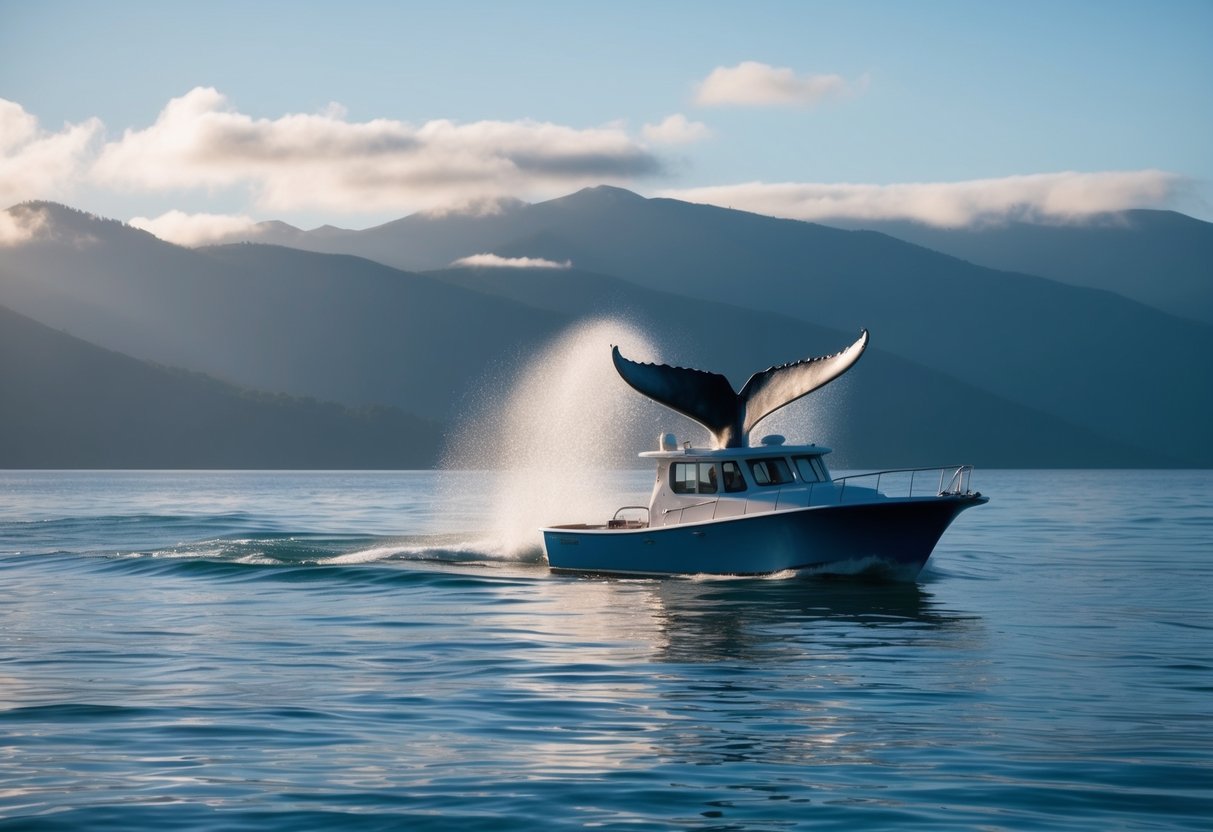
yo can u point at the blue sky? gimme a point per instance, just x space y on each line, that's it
356 113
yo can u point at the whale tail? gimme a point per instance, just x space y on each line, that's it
709 399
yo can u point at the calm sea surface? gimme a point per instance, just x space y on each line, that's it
303 651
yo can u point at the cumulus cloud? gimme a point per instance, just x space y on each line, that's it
195 229
676 129
754 84
36 164
1049 197
322 161
495 261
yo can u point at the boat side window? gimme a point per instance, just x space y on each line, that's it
733 480
693 478
683 477
811 468
770 471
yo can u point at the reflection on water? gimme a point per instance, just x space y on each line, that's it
764 621
754 672
757 620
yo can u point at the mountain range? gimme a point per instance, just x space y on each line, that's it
69 404
1158 258
968 363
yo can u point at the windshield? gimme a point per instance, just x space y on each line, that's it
811 468
770 471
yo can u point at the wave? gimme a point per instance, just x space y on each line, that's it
286 556
454 550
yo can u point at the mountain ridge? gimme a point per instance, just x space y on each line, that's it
1123 252
353 330
1065 350
71 404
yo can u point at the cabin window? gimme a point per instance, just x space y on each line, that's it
683 477
770 471
733 480
693 478
820 465
811 468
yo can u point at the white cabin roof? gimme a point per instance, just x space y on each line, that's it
738 453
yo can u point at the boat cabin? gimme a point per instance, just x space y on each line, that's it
698 484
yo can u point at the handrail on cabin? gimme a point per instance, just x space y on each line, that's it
956 485
692 505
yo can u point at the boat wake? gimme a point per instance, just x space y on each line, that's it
476 551
869 569
295 550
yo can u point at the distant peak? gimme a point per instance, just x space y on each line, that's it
275 225
43 220
55 209
598 196
328 229
609 192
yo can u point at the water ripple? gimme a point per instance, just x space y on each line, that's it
229 664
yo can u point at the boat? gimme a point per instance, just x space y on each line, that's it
742 509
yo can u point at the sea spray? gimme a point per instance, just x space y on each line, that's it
556 434
817 418
555 440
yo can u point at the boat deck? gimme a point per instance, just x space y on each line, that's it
610 525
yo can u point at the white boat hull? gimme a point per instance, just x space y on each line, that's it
898 533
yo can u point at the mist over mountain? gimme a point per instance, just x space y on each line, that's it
332 327
967 363
69 404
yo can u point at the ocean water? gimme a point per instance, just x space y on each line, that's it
362 651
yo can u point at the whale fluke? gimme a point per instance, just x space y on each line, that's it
709 399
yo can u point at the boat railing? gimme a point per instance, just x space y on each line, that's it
896 483
618 522
909 482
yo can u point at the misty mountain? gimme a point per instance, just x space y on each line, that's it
69 404
1160 258
350 330
417 242
332 327
1088 357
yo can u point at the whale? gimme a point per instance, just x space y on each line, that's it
709 399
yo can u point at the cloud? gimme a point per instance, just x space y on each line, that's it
1048 197
676 129
495 261
489 206
753 84
324 162
35 164
195 229
20 224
